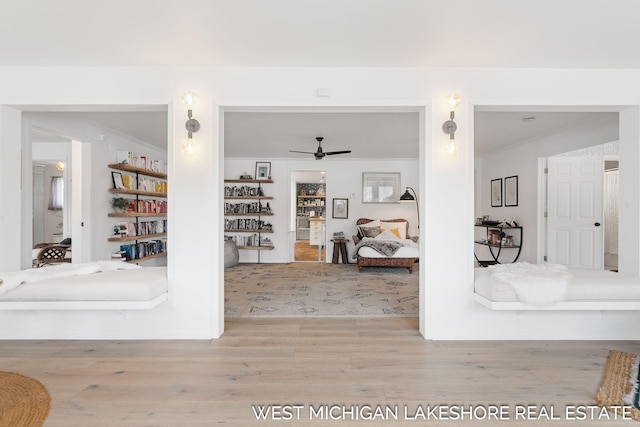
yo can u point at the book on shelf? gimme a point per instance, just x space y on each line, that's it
119 256
124 157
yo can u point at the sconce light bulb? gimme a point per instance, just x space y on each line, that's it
60 166
453 100
189 98
188 147
451 148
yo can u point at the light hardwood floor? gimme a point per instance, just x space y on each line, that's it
303 251
308 362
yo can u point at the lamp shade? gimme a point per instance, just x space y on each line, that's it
407 197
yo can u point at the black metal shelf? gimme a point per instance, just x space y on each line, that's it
496 247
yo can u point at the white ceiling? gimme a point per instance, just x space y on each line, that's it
366 134
321 33
369 134
324 33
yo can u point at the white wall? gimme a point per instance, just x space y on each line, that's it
343 178
522 160
195 260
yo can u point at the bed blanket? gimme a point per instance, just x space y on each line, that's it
13 279
385 247
534 284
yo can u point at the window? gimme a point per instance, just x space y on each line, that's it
57 193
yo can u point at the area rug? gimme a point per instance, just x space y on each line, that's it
309 289
24 401
619 385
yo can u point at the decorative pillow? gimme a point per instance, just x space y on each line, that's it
370 231
396 232
373 224
401 226
386 235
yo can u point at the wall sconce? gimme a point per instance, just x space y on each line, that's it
60 166
449 127
408 197
192 125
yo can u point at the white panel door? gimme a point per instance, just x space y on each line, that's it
574 203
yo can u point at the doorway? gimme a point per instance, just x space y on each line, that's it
309 205
582 205
52 194
611 190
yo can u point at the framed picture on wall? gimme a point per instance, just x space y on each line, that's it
263 170
340 208
511 191
118 183
380 187
496 193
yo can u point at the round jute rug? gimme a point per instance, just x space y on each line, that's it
24 401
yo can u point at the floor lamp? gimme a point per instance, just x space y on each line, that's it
408 197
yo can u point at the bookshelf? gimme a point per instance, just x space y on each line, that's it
142 233
246 210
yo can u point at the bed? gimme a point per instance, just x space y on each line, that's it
384 243
586 289
107 285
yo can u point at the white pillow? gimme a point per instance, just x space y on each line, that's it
401 226
374 223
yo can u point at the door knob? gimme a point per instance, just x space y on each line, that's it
597 224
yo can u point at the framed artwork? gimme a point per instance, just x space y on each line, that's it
118 183
263 170
340 208
496 192
380 187
511 191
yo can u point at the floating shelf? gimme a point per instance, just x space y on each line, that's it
249 197
249 214
135 215
133 238
246 230
249 181
137 192
134 169
161 254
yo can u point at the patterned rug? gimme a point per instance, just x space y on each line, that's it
319 290
24 401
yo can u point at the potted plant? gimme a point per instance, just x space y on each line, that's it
119 204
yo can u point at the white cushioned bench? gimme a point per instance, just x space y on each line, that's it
140 288
588 289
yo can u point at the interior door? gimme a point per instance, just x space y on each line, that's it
574 204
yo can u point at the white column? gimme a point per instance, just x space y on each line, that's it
629 243
12 208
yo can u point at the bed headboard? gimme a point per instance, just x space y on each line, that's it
361 221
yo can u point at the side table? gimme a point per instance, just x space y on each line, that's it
340 249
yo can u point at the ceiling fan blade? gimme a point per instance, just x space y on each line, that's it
337 152
303 152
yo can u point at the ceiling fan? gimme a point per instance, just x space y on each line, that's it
319 154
